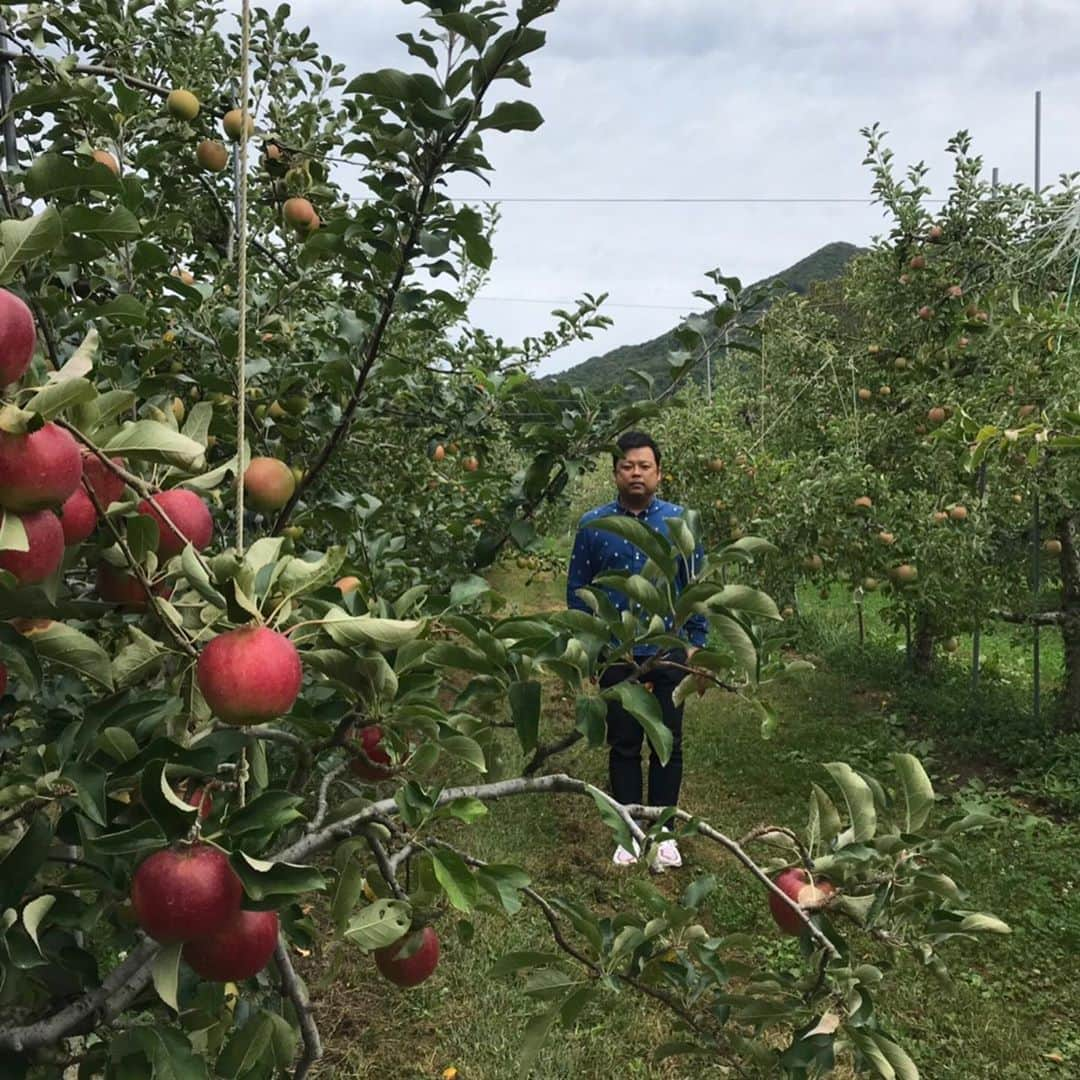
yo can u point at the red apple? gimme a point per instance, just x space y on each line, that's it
239 950
370 738
185 892
116 586
810 895
45 535
190 515
250 675
107 486
17 337
78 518
38 470
413 969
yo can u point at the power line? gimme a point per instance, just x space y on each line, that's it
678 199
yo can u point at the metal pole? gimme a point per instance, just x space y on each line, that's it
1036 583
862 625
7 91
907 639
708 375
1038 135
994 180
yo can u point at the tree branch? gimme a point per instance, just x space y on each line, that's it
118 990
293 989
1034 618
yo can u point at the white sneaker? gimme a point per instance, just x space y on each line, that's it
667 856
622 857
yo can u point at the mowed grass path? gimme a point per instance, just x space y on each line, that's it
1010 1013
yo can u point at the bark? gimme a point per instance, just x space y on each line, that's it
924 644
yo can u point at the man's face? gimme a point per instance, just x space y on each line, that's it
637 476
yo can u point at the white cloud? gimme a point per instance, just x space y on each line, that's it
698 98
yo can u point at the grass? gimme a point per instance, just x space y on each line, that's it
1009 1014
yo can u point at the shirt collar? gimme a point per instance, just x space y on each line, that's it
620 509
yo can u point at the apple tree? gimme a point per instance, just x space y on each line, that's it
202 726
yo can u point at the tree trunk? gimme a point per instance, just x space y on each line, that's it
924 644
1070 628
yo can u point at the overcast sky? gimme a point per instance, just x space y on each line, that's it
725 99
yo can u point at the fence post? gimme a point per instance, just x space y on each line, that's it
7 91
1036 583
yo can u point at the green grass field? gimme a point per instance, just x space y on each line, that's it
1010 1013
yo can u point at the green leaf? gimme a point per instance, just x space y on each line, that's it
267 813
512 116
67 647
350 888
379 924
51 174
33 913
166 974
645 709
522 961
89 781
742 598
23 241
613 820
978 922
263 880
592 718
113 226
118 743
467 809
57 397
247 1047
646 540
173 815
738 642
860 801
825 822
504 883
385 634
144 837
902 1065
138 659
525 709
465 748
12 533
536 1033
21 863
455 878
918 791
199 579
148 440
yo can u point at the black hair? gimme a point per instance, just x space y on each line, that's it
634 440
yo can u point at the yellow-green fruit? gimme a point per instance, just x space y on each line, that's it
870 584
178 410
298 474
233 123
950 645
182 104
260 412
276 411
212 155
297 404
268 483
293 532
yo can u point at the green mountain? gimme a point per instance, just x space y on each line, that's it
612 368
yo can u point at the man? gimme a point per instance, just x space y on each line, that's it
637 477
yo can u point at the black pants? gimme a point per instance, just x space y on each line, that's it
625 737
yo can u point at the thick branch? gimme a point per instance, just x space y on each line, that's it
550 750
314 842
292 988
119 989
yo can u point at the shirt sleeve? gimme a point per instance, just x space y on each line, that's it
581 570
697 626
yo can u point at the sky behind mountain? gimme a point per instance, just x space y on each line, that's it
713 99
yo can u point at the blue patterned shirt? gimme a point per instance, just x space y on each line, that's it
599 552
